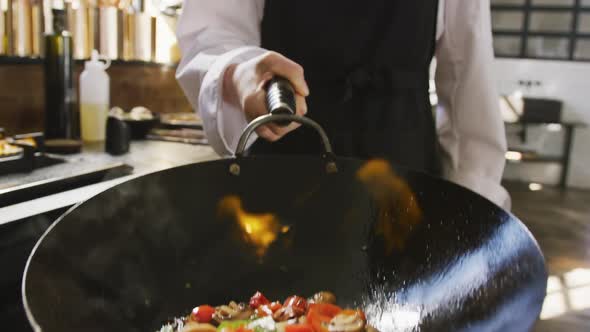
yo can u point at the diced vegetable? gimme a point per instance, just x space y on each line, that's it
198 327
275 306
232 312
296 302
320 315
263 324
299 328
243 329
202 314
324 297
232 325
287 313
257 300
268 309
348 321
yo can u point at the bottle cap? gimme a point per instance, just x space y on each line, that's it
96 61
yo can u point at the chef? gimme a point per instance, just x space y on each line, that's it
360 69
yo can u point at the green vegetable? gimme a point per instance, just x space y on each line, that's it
233 324
266 324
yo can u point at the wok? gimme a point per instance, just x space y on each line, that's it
150 249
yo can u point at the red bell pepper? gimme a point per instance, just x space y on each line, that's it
320 315
299 328
257 300
202 314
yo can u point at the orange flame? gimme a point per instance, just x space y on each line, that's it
260 230
398 208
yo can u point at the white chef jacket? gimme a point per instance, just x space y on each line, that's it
214 34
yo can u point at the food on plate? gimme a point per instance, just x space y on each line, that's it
183 119
7 149
318 313
138 113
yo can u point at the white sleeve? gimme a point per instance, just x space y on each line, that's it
213 34
469 123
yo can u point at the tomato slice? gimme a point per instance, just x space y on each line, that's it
257 300
243 329
296 302
202 314
299 328
268 309
275 306
320 315
325 309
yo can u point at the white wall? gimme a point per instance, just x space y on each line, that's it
567 81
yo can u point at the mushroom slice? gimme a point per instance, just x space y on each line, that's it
369 328
286 313
232 311
198 327
347 321
324 297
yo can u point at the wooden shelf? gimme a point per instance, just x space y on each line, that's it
528 157
16 60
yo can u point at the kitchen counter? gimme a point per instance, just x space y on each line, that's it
145 157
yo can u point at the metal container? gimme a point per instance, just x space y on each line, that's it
92 29
109 38
128 35
37 30
9 27
22 28
2 30
143 40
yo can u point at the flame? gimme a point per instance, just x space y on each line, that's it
398 209
260 230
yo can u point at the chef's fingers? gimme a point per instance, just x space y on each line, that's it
255 105
301 111
276 63
282 131
301 104
267 134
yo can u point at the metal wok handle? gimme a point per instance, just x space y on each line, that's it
262 120
280 100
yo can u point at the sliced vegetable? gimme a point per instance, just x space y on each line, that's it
262 324
275 306
299 328
243 329
268 309
202 314
320 315
232 312
257 300
296 302
324 297
198 327
232 326
348 321
286 313
325 309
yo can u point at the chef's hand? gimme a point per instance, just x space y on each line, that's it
243 85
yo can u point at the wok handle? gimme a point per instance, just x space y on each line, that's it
262 120
280 98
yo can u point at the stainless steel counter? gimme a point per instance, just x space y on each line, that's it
145 157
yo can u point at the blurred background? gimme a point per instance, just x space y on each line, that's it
139 36
542 70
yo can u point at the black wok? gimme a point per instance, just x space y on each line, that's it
152 248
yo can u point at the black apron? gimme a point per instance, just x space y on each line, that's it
367 67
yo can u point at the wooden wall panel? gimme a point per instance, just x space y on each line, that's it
22 93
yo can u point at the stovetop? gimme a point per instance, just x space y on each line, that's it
24 153
27 172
